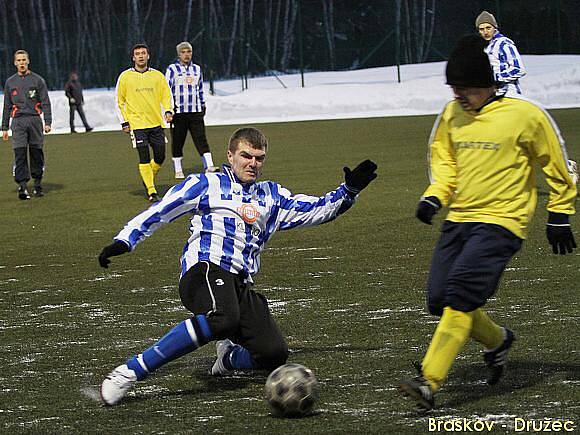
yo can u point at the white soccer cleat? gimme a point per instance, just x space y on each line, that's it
222 347
573 170
211 169
179 175
116 384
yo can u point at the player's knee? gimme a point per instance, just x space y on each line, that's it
273 357
224 325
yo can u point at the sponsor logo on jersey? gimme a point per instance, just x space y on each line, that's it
490 146
248 213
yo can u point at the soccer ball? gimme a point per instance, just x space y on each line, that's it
291 391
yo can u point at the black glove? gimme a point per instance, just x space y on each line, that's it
427 208
202 110
559 233
360 177
115 248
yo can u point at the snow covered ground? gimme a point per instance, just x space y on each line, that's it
552 80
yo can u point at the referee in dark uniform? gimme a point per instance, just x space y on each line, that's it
25 99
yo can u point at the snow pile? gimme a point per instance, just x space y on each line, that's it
552 80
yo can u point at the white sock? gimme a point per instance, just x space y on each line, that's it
207 160
177 164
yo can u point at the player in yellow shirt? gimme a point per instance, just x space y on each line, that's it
483 149
144 103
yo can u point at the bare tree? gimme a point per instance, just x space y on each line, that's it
162 32
328 19
419 25
187 19
288 39
232 38
16 22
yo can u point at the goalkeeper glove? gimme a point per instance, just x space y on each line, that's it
559 233
114 249
427 208
360 177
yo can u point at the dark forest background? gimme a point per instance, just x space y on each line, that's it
233 38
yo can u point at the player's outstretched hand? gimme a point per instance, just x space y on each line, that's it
427 208
559 233
361 176
115 248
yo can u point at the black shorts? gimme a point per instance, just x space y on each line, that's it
234 311
148 136
467 265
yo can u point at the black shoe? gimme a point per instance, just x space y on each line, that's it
89 129
418 389
496 359
38 192
153 197
23 193
73 131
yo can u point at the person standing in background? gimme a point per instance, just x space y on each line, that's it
507 65
503 54
186 83
141 94
25 99
74 92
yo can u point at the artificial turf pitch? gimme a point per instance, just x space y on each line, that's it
349 295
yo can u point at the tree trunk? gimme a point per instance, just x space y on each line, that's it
187 19
16 22
328 18
232 38
162 32
289 25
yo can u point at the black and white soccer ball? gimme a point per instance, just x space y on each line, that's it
292 391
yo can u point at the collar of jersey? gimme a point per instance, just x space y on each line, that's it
147 70
227 169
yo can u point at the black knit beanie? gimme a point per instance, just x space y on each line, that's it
469 65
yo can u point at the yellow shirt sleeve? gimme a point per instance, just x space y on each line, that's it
165 94
547 147
442 162
121 98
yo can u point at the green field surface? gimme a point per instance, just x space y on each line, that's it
349 296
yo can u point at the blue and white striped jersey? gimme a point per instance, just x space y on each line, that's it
506 62
231 221
186 84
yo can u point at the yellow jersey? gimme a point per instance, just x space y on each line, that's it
142 98
482 163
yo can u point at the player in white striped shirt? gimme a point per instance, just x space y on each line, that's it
503 54
507 65
185 80
234 216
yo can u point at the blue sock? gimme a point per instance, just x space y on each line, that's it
184 338
239 358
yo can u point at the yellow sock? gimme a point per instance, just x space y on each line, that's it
485 330
451 334
147 176
155 167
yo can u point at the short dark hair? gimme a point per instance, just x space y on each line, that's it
250 135
140 45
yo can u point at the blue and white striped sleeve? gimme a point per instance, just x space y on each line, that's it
511 65
200 87
181 199
303 210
